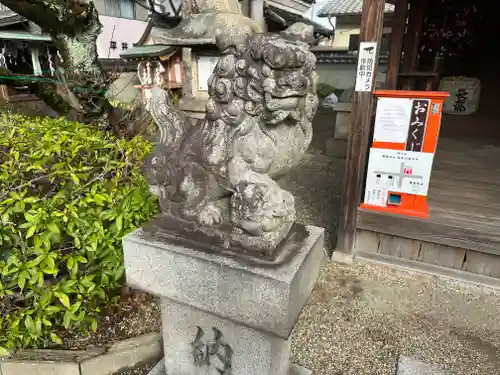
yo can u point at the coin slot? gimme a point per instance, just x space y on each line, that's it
394 199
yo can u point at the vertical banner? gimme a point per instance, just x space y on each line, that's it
418 121
366 66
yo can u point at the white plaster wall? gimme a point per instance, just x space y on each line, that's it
141 13
343 76
123 89
119 30
344 32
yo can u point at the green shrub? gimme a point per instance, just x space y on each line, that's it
68 194
324 89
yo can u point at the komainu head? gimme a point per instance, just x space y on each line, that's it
266 75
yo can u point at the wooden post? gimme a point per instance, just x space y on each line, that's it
412 39
187 57
397 36
372 24
187 74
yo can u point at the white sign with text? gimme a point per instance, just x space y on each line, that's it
396 171
366 66
392 120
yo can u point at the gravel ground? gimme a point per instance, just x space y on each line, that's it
316 183
143 369
361 318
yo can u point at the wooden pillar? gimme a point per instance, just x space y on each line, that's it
188 90
412 38
372 23
397 36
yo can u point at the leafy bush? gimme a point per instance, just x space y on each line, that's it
68 194
324 89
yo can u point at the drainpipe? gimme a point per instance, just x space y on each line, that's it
257 13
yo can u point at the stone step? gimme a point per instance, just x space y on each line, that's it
410 366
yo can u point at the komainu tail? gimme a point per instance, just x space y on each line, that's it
172 122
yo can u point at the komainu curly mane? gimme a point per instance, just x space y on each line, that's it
220 173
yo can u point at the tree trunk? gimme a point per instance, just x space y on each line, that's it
74 27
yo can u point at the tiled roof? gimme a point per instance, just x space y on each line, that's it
148 51
23 35
291 18
346 7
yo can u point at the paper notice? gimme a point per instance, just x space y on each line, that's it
397 172
206 65
376 196
392 120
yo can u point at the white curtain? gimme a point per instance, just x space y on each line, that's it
120 8
127 9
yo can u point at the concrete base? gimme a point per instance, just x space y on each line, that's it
342 258
343 113
219 313
159 369
252 352
193 108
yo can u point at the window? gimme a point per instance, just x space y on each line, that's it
119 8
384 45
353 42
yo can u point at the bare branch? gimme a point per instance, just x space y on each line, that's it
54 16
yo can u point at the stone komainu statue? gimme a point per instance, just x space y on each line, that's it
221 172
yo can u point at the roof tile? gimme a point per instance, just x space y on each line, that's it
346 7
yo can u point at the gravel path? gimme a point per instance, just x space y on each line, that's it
316 183
143 369
361 318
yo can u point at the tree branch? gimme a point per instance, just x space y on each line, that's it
81 82
43 89
54 16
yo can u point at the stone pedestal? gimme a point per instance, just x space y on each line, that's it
343 119
193 108
337 146
221 316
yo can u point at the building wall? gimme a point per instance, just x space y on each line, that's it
344 32
343 76
118 30
141 13
123 89
345 26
